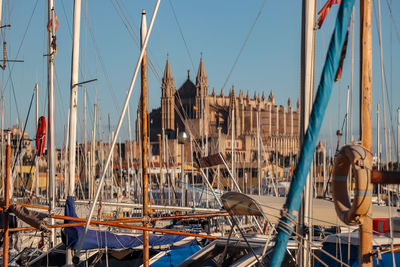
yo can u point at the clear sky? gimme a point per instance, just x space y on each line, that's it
109 49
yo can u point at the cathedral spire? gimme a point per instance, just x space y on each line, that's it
167 85
201 73
201 79
167 72
271 98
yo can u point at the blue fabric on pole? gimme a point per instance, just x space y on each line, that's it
101 239
317 115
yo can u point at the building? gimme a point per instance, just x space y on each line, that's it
193 109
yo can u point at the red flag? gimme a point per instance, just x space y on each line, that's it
342 56
325 10
50 24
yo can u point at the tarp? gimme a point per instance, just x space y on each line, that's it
341 253
175 257
101 239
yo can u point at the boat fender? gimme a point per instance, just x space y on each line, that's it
353 155
382 225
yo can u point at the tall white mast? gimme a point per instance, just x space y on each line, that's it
51 35
74 96
306 99
398 138
70 182
258 153
37 118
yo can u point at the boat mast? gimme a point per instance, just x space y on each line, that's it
37 119
306 101
258 153
112 146
73 107
383 91
51 37
398 138
366 120
92 155
143 32
74 97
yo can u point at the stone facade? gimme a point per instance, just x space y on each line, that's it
183 109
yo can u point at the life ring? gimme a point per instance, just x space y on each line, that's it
41 136
353 155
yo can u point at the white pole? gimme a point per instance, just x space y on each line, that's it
398 138
74 96
383 88
233 143
258 153
143 49
73 107
306 99
66 143
51 35
346 137
352 76
378 146
37 119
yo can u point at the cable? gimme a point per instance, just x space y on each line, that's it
244 43
181 32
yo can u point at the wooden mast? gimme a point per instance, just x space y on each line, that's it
6 202
143 33
366 120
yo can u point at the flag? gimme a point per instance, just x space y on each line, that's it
194 107
325 10
50 24
342 55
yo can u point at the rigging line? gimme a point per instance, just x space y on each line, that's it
244 43
131 30
66 19
393 22
22 137
110 86
12 64
389 100
22 40
60 96
181 32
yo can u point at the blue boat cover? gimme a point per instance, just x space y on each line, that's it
175 257
101 239
340 252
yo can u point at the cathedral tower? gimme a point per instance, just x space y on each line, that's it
168 99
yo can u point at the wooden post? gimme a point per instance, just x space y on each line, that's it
7 203
366 120
144 146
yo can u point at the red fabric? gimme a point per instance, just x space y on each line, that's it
325 10
40 136
380 225
50 24
342 56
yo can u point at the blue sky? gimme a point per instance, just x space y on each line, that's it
217 29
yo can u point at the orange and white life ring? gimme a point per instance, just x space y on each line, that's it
353 155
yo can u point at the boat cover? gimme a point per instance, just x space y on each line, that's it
175 257
101 239
340 252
